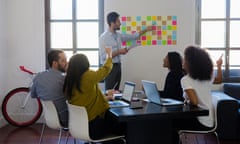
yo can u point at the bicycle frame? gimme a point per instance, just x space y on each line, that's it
18 108
32 75
26 100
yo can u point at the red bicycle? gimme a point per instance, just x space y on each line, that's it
19 108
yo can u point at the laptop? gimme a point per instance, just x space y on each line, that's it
153 95
124 99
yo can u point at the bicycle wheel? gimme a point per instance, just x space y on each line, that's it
16 112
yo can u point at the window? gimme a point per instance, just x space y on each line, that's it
74 26
218 30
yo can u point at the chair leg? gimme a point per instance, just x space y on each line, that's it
217 137
124 140
67 137
180 139
43 128
60 135
75 141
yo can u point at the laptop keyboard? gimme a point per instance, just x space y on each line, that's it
165 101
117 103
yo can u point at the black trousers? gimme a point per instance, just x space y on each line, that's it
102 126
114 78
187 124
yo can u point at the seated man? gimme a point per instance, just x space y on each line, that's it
48 85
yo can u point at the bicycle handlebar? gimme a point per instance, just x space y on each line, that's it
22 68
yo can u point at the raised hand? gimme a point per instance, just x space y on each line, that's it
123 51
108 50
219 61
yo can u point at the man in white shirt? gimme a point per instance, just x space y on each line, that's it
114 39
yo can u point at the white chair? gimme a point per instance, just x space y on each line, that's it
78 125
185 136
51 119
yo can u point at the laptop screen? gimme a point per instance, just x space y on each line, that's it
128 90
151 91
153 95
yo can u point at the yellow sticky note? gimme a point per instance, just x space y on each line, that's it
174 27
134 23
154 17
149 37
164 32
144 43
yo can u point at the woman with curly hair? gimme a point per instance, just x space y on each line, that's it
197 84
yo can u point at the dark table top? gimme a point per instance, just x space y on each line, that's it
154 111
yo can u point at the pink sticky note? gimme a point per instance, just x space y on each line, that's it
169 42
144 37
124 43
154 42
174 22
133 32
159 32
138 42
124 18
154 27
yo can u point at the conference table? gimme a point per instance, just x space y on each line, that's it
152 124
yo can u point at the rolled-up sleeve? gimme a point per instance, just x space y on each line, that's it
126 37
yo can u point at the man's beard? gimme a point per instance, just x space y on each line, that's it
62 69
117 28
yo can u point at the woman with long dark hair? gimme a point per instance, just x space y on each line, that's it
81 88
172 87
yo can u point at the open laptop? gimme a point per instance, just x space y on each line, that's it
153 95
125 98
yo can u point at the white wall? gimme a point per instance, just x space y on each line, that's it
146 62
22 42
25 39
3 53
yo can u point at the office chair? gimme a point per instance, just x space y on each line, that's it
52 120
191 136
78 125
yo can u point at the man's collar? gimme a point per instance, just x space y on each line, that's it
54 70
111 31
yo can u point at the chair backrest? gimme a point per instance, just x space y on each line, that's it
227 114
78 122
191 136
51 115
215 105
214 108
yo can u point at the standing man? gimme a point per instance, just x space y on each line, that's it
114 39
48 85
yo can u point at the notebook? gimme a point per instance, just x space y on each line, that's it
153 95
126 97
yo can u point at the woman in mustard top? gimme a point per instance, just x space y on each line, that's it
81 88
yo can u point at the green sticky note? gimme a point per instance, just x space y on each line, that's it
149 18
169 27
164 42
149 42
124 29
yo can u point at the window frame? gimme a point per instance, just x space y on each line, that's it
74 22
227 71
